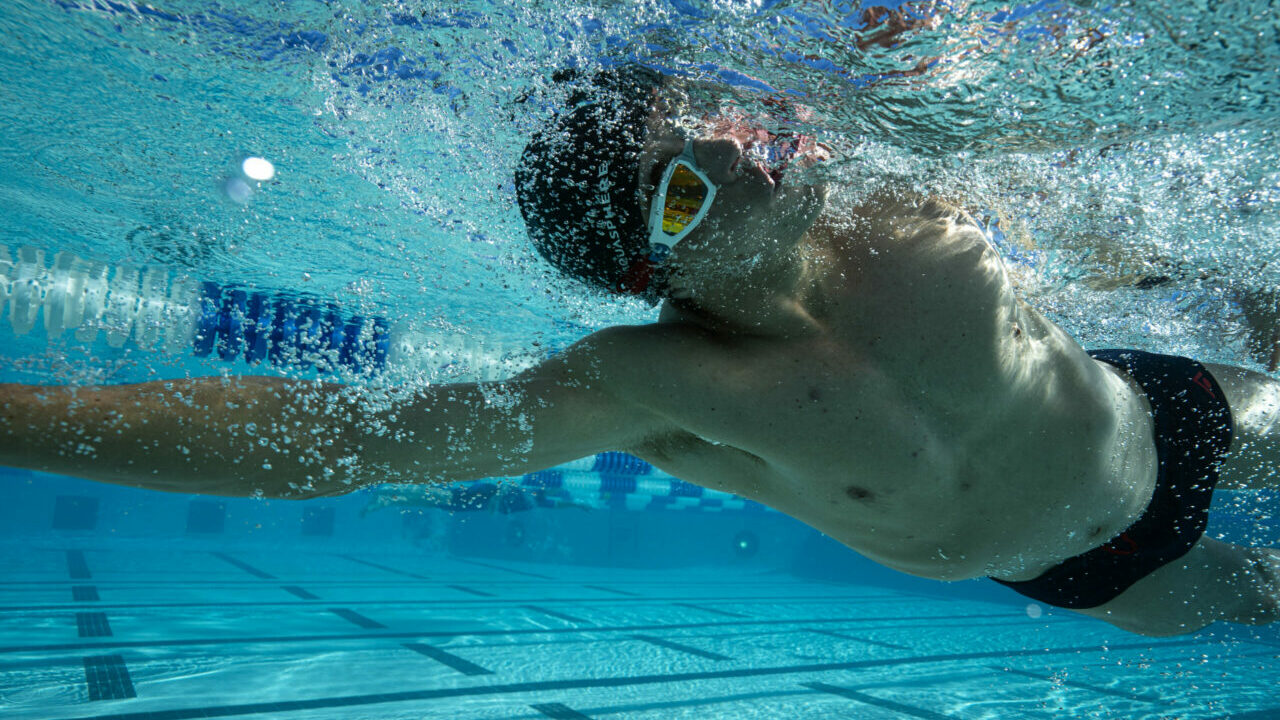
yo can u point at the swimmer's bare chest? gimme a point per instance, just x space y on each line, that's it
895 472
917 428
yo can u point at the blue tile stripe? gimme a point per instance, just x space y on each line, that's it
681 647
84 593
466 667
77 567
879 702
93 624
244 566
559 711
108 678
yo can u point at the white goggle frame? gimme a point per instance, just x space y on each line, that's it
660 243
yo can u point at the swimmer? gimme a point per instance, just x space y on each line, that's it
869 372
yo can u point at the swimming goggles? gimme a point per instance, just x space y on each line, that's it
680 203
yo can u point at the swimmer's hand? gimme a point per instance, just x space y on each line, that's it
272 437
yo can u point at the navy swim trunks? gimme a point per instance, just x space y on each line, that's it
1192 434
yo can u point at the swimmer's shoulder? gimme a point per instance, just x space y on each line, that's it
911 217
637 359
671 340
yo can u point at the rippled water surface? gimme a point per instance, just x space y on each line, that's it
1123 155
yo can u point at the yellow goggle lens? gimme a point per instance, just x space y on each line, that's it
686 194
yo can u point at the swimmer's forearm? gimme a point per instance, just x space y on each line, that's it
296 439
270 437
234 437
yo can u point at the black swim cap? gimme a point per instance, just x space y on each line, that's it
577 182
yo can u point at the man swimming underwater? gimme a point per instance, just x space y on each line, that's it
869 373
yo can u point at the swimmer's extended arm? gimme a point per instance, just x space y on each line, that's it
281 438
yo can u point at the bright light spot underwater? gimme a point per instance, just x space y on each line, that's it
256 168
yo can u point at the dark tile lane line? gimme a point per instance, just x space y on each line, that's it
1153 699
244 566
93 624
656 705
504 569
441 656
472 591
299 592
455 601
681 647
878 702
609 682
384 568
713 611
357 619
366 582
868 641
615 591
108 678
920 620
466 667
77 566
559 615
559 711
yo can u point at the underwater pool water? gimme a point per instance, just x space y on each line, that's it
1121 156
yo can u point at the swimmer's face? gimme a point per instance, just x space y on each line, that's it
761 203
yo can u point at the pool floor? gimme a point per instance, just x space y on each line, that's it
161 631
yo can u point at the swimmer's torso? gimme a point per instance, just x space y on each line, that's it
933 423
